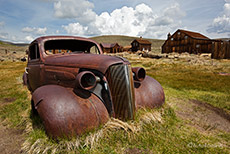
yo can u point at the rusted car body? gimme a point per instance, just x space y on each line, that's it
75 88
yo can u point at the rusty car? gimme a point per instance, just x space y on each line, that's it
76 88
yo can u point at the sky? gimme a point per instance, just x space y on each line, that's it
22 21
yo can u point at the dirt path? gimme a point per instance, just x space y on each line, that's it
204 117
10 140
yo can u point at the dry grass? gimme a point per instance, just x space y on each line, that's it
91 140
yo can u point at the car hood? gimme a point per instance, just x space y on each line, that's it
84 60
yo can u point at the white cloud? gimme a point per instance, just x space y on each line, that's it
28 29
41 31
75 28
12 38
38 31
174 11
221 24
140 20
29 38
4 35
71 8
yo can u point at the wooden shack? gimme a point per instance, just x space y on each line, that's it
111 48
221 49
127 48
141 44
186 41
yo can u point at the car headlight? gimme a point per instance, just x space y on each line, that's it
86 80
139 73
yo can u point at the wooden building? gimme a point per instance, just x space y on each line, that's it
141 44
111 48
187 41
127 48
221 49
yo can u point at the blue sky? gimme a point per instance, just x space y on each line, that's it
25 20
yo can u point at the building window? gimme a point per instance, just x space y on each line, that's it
186 37
172 39
178 33
198 45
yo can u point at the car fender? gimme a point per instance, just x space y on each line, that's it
66 112
148 93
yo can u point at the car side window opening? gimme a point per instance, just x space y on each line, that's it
34 52
94 50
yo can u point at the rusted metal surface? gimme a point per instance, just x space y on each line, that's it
139 73
149 93
24 79
75 89
84 61
120 81
86 80
66 113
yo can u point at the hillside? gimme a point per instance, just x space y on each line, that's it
126 40
11 51
121 40
15 44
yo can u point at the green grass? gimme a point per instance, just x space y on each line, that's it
170 134
192 81
11 89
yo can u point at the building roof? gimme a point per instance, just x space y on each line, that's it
193 34
108 45
127 47
141 41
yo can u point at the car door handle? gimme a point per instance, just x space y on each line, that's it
26 70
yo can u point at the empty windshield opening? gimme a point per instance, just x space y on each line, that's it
70 46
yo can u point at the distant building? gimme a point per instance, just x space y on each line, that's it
111 48
141 44
187 41
127 48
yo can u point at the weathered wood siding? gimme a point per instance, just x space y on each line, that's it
141 45
181 42
221 49
111 48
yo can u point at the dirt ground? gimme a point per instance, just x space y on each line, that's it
11 140
204 117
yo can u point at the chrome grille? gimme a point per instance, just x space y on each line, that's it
120 81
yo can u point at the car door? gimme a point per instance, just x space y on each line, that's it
34 66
